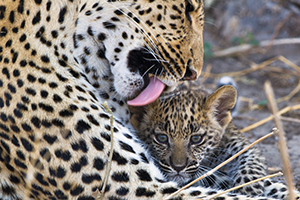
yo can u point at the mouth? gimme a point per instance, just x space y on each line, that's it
149 94
142 62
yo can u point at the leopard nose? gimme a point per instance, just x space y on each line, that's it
190 74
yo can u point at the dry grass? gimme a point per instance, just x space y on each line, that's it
263 121
256 67
281 139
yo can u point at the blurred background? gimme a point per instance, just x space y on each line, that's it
254 41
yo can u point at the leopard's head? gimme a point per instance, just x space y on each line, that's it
139 39
180 130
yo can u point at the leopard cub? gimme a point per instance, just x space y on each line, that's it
188 133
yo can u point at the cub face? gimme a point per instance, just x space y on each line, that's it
182 128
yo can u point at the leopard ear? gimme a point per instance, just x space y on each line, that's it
193 5
220 103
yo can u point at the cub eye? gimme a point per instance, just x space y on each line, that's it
162 138
196 139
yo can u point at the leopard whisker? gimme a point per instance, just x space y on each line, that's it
154 54
139 26
152 43
217 180
147 71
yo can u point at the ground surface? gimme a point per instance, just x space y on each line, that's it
237 22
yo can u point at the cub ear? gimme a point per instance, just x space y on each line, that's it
137 115
220 103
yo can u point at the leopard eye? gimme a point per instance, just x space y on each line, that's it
196 139
189 7
162 138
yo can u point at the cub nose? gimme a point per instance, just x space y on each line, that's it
179 166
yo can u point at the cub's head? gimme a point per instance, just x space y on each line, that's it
181 129
139 39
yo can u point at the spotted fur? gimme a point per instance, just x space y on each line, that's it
189 133
59 61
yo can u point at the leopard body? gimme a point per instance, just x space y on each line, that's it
59 62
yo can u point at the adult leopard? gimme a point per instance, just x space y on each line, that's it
59 61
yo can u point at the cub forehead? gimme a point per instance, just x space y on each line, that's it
188 102
180 114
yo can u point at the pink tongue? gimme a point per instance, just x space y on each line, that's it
149 94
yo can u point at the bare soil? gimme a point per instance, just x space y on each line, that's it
237 22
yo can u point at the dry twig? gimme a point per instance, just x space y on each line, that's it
263 121
290 95
289 63
289 119
276 31
245 71
281 140
256 67
272 170
221 165
232 51
111 150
